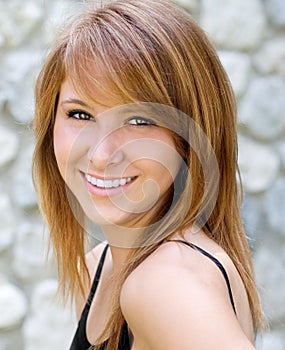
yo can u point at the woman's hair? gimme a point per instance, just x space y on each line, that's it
147 51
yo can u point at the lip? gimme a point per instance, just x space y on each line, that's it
106 191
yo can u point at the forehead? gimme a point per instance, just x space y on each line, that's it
102 95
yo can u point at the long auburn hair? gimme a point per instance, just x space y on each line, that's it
150 51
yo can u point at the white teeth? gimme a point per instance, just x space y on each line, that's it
107 183
123 182
116 183
100 183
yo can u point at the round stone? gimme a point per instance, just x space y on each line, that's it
281 149
29 262
235 24
20 81
275 206
273 340
262 110
259 165
14 72
48 317
190 5
18 19
238 77
9 144
2 91
269 274
21 103
253 218
56 13
276 11
23 189
13 305
271 57
7 222
44 294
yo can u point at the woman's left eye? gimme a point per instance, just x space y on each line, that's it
140 121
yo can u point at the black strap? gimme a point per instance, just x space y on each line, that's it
216 261
97 277
80 341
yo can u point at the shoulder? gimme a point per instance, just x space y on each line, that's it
172 300
174 262
92 259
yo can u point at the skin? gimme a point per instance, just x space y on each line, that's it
176 298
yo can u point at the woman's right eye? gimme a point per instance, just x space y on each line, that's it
79 115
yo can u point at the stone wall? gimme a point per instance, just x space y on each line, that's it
250 38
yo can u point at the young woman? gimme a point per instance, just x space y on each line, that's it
135 129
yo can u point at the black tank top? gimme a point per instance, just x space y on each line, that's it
80 340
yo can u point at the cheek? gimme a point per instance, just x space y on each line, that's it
164 174
63 142
168 161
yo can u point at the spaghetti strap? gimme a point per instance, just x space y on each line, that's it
80 340
97 276
216 261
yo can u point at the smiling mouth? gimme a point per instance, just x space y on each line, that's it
114 183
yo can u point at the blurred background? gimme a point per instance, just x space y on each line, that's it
250 38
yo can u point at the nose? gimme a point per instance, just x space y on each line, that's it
105 151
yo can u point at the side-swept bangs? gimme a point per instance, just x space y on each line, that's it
113 51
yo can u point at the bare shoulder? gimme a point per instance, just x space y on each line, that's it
92 259
173 299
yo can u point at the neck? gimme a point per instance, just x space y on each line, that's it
122 241
119 258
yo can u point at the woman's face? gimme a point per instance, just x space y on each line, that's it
116 160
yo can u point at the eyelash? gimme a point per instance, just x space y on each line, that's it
77 114
135 121
141 121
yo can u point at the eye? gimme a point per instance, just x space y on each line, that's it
140 121
79 115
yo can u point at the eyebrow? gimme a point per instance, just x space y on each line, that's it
75 101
